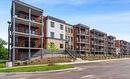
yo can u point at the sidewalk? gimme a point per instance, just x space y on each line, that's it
85 61
71 63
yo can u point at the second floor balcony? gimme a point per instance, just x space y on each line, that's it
22 29
23 42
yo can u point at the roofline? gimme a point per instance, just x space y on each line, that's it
55 19
28 5
111 36
69 24
123 41
98 31
81 25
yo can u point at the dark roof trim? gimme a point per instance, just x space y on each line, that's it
69 24
28 5
81 25
55 19
98 31
124 41
111 36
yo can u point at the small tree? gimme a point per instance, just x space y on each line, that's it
52 48
3 50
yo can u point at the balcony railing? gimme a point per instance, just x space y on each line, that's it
26 31
32 45
26 17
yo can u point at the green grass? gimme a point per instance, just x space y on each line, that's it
36 68
2 63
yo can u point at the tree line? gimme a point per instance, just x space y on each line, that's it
3 50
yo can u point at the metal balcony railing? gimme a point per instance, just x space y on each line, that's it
26 17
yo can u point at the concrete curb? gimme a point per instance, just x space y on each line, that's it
83 62
39 72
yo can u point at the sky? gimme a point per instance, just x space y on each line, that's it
110 16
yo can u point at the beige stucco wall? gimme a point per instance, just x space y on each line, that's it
57 43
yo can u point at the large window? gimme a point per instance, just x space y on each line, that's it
52 34
61 36
69 30
61 46
52 24
61 27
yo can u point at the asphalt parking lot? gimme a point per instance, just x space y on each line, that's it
119 69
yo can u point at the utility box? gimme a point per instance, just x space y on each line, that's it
9 64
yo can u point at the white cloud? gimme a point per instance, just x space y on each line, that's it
116 24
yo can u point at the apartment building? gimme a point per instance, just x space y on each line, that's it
81 38
69 36
122 47
129 48
26 31
30 33
98 42
111 41
55 32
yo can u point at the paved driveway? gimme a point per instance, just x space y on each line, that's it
119 69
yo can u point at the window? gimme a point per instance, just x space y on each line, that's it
33 44
33 31
61 46
61 36
16 13
26 44
61 27
16 41
66 29
52 24
69 39
26 30
26 17
66 38
52 34
69 30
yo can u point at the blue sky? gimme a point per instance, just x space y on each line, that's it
111 16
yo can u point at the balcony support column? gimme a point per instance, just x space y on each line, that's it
42 38
13 47
29 54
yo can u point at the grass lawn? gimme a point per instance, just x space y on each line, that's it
36 68
2 63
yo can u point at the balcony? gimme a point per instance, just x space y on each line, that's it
82 42
98 43
82 34
23 30
25 17
111 41
98 50
22 42
21 15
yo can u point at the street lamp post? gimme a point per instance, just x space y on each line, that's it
9 53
